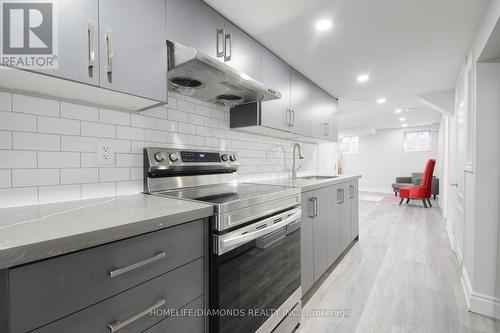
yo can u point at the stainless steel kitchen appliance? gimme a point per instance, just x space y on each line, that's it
254 283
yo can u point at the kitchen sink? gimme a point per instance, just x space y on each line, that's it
317 177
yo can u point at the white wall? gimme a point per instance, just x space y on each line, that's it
381 159
48 148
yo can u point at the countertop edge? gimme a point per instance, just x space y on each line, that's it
329 182
55 247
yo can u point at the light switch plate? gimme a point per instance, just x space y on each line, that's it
105 152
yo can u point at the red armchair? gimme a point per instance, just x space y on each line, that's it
422 191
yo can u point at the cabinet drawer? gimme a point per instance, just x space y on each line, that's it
184 322
176 289
48 290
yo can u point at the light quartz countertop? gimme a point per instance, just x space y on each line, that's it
31 233
310 184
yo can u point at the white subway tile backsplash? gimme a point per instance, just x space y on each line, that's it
98 130
35 105
77 143
17 121
143 121
5 140
129 133
34 177
36 141
79 176
5 101
98 190
58 126
58 160
114 174
48 194
5 178
66 151
114 117
17 159
80 112
13 197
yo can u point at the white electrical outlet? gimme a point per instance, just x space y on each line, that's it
105 152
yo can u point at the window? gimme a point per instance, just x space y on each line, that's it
417 141
349 144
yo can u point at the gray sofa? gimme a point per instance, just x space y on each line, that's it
415 179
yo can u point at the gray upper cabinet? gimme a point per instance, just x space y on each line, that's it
276 74
194 24
78 57
323 121
301 98
242 52
132 39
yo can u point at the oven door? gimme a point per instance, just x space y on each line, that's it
255 270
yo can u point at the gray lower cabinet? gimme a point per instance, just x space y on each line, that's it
132 45
193 23
327 229
112 282
354 195
78 33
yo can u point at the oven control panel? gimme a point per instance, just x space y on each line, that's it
195 156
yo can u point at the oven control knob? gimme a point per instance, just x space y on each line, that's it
174 157
160 156
233 157
225 157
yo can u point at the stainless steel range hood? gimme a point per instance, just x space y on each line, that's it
195 74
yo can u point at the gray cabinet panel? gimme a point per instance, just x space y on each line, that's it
355 208
177 288
182 324
134 32
301 99
246 53
321 228
334 225
345 217
276 74
193 23
323 121
307 242
78 34
53 288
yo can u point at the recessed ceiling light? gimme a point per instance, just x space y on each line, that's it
405 125
402 119
381 100
363 78
323 25
398 110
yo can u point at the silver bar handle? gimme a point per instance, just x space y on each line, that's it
242 239
293 117
315 207
351 191
343 195
120 271
109 43
118 325
228 51
289 117
91 40
339 196
220 42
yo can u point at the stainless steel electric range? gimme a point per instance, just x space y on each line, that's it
254 282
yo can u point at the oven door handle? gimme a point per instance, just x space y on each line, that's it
245 238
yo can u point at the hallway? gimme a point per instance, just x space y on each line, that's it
402 276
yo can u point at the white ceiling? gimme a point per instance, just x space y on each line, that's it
409 47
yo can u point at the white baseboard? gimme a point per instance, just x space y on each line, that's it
476 302
383 190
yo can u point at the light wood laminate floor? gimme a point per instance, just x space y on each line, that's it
402 276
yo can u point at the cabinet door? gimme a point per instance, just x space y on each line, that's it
132 36
301 97
193 23
78 58
323 121
355 208
243 52
345 216
334 225
276 75
307 242
333 130
321 221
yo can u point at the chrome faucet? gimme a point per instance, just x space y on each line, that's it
294 169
